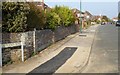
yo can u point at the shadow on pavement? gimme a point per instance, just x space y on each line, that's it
53 64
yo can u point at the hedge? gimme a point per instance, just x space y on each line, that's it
21 17
14 16
52 20
36 17
66 15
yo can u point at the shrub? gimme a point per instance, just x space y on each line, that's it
88 23
105 19
20 17
52 20
14 16
36 17
66 15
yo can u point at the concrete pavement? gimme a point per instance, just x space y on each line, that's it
74 64
80 58
0 70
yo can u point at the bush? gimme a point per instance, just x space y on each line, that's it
36 17
20 17
105 19
52 20
14 16
66 15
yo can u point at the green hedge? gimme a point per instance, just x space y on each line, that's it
14 16
21 17
52 20
60 15
36 17
66 15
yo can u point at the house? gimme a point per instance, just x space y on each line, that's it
84 17
42 5
96 17
115 19
78 14
88 15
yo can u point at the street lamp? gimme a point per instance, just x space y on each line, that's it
43 4
80 17
100 19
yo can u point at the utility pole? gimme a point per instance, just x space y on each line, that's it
80 16
43 4
100 19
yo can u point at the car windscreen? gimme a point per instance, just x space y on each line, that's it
118 21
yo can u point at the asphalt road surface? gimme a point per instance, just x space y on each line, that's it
104 53
53 64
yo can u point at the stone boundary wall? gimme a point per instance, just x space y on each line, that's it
43 39
35 41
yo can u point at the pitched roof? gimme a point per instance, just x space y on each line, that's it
76 10
88 13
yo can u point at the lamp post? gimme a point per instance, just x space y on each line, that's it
43 4
80 17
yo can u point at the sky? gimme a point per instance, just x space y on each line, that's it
95 7
77 0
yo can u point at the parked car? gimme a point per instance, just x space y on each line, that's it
118 23
103 23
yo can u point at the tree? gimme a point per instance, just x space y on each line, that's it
14 16
36 17
119 16
52 20
105 18
66 15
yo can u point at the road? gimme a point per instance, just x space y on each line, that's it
104 53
